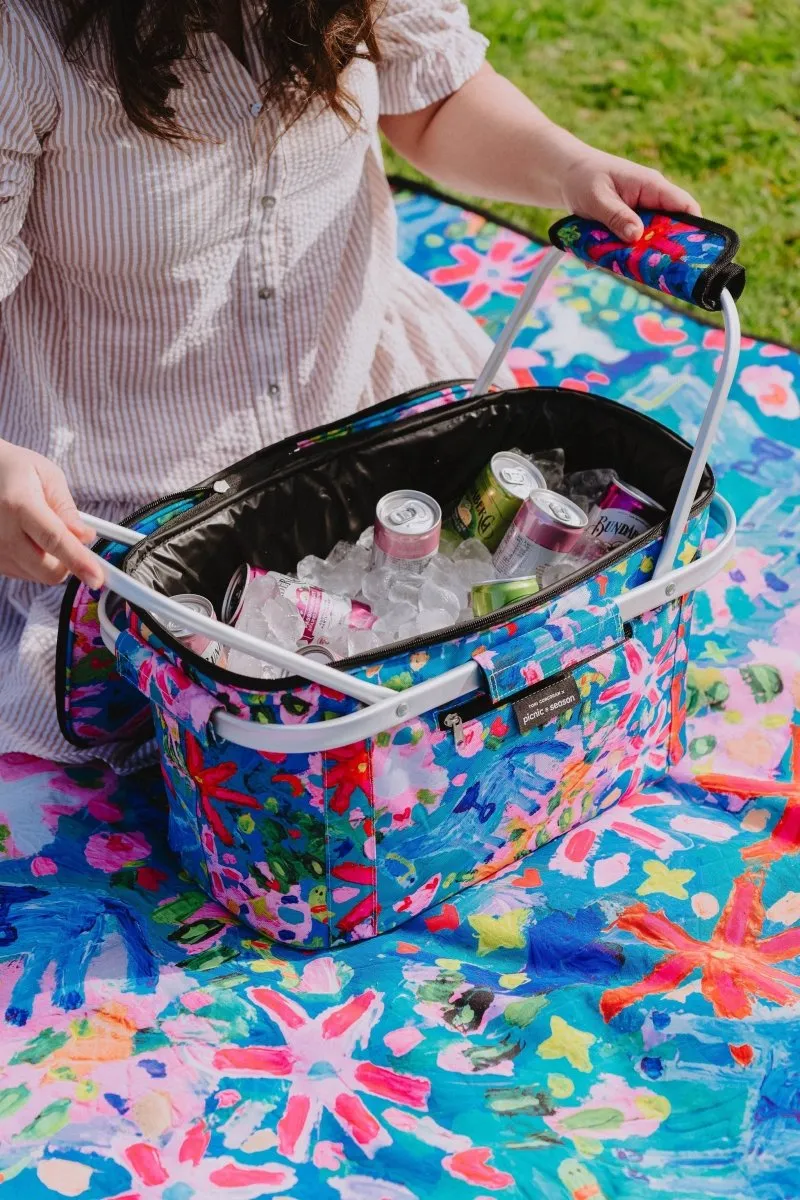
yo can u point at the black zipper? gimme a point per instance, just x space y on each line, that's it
422 642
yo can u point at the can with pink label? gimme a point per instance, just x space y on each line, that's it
623 513
323 613
408 526
546 527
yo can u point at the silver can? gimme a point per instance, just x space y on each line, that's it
546 527
408 525
199 643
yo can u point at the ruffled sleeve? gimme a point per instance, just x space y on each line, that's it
28 111
428 51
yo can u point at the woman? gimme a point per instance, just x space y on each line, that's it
197 252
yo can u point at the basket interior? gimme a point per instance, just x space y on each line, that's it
329 491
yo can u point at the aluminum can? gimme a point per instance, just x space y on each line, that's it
317 653
408 525
237 589
488 507
488 597
546 527
323 613
198 643
623 513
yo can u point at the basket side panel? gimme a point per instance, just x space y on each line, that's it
448 816
249 830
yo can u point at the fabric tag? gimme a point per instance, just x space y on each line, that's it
546 703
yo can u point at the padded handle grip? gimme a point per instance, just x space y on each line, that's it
679 255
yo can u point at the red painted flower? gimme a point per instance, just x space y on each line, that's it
318 1060
184 1165
209 781
347 771
735 964
785 837
656 237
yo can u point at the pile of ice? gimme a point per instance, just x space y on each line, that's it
406 605
403 604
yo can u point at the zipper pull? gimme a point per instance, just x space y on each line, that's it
456 725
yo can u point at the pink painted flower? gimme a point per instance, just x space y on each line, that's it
501 271
317 1059
43 866
111 852
184 1166
773 390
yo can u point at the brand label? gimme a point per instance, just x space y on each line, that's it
546 703
615 526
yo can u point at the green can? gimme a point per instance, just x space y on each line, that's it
497 593
487 509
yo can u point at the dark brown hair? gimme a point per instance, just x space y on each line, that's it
305 45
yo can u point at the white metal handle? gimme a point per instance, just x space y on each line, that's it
394 708
713 414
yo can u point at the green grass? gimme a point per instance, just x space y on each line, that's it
709 93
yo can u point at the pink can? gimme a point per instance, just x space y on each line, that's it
546 527
321 611
198 643
408 525
236 591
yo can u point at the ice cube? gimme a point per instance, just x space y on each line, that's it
472 550
432 618
285 625
347 576
366 537
313 570
339 552
406 589
433 598
551 464
561 568
362 641
375 585
592 484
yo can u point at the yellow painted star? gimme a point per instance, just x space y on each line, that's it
687 554
663 880
567 1042
503 932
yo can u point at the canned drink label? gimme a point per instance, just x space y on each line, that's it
323 612
518 554
414 566
489 506
615 526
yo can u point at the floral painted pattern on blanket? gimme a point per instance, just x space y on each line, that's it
614 1016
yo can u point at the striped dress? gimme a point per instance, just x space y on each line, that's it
167 308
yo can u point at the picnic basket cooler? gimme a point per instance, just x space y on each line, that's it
335 803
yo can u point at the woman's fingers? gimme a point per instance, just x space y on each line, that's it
47 531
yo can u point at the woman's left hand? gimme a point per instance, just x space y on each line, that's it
608 189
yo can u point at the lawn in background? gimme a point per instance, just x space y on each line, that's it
709 93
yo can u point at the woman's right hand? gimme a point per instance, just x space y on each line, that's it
42 537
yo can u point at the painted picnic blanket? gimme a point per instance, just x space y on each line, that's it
616 1016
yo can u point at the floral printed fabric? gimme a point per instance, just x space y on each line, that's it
688 258
96 704
612 1017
